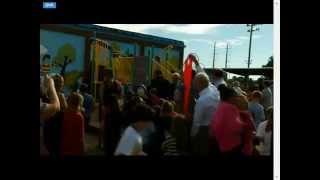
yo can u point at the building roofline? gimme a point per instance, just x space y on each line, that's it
122 34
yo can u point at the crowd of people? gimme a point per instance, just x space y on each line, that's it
148 120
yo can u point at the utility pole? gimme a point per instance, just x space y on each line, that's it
226 64
251 30
214 54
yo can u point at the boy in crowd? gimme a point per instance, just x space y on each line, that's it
131 143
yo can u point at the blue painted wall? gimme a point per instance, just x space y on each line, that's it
52 41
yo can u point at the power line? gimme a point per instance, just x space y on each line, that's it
214 54
251 30
227 55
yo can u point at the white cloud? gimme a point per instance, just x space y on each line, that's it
219 44
243 37
177 28
235 42
192 28
203 41
140 28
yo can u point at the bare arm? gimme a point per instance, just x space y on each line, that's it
198 67
54 105
63 102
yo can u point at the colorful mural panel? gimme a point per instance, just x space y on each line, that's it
66 56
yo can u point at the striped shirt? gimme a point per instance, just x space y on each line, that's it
169 146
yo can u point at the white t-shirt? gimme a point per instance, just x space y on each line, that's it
266 136
130 142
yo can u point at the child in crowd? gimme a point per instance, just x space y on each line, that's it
131 142
73 127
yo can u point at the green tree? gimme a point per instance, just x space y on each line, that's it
66 55
270 62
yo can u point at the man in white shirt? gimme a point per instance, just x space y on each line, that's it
131 142
205 107
267 98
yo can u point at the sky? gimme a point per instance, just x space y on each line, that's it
199 39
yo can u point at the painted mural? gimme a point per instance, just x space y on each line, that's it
66 56
121 49
168 59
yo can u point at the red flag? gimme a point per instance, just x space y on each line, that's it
187 78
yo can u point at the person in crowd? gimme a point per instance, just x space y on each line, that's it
178 97
256 109
264 134
167 109
266 100
162 85
112 91
73 136
111 124
201 108
128 109
157 136
205 106
47 110
59 85
218 77
141 91
251 89
154 98
131 142
88 103
52 128
175 83
169 145
249 129
181 131
236 86
231 126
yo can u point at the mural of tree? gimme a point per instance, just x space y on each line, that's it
66 55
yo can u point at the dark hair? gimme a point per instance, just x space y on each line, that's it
257 94
111 101
226 92
157 58
116 87
267 83
58 79
218 73
83 87
143 113
153 91
46 56
167 107
75 99
193 73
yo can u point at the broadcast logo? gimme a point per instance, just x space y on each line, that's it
49 5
